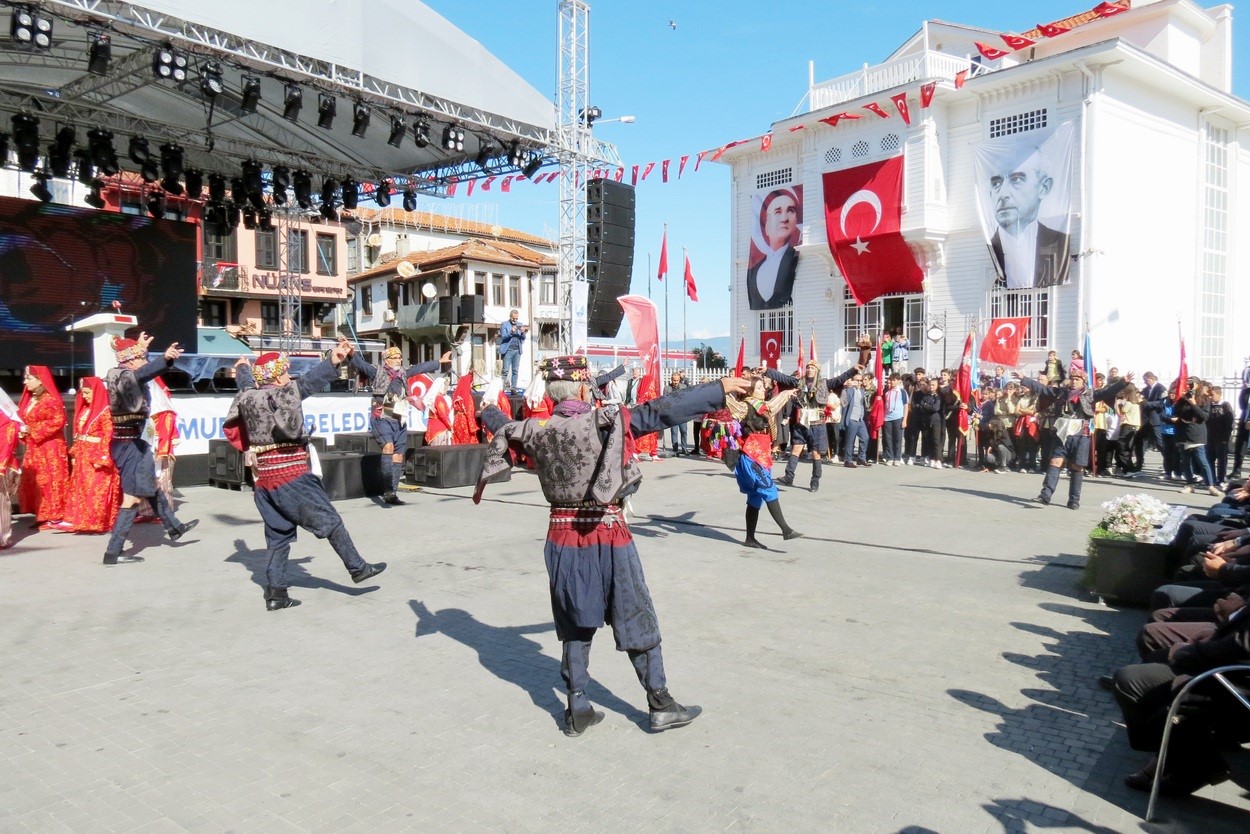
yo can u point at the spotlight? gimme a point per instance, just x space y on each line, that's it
138 150
302 183
327 107
382 192
292 101
281 182
215 215
516 156
253 177
169 65
99 55
86 171
421 133
453 138
589 115
171 167
93 197
211 84
217 188
195 183
40 188
328 193
249 218
351 193
484 155
398 129
59 152
30 28
238 190
360 119
531 167
26 138
103 154
410 199
149 171
264 219
250 86
232 217
156 203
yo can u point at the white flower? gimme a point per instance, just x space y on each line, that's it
1132 514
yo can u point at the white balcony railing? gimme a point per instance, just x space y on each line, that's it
869 80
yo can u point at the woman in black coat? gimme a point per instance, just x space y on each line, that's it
926 410
1191 414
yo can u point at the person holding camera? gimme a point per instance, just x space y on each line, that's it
511 336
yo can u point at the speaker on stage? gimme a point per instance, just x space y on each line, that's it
609 253
461 309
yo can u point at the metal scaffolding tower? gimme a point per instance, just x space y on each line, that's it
290 295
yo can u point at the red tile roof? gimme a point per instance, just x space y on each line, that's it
474 249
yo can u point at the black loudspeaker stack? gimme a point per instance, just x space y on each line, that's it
461 309
609 253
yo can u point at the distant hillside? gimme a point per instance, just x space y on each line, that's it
721 344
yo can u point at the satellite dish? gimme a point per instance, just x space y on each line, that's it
374 240
405 269
429 290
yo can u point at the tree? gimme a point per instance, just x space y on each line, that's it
705 357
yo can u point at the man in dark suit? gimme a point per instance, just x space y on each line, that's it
1153 398
770 283
1050 261
782 271
1026 253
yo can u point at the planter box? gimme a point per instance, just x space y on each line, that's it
1127 572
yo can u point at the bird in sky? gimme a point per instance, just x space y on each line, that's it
672 24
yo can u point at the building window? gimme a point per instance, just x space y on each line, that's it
306 319
270 321
1033 304
353 256
366 299
861 320
297 251
548 336
514 291
890 142
860 148
267 249
782 320
1213 283
547 288
496 289
327 255
219 247
212 313
1018 123
833 156
781 176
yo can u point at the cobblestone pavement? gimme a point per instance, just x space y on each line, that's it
923 660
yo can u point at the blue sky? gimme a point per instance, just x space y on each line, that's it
727 71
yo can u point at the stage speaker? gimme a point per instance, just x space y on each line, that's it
609 253
610 193
611 234
447 310
608 282
602 253
472 309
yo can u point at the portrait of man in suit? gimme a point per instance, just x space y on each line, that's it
774 260
1024 205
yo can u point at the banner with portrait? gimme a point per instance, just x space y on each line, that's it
1024 201
773 258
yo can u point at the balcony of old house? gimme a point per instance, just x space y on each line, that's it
222 277
908 69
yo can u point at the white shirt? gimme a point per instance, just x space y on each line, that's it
1019 256
766 275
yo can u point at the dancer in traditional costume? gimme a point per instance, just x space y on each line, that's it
752 462
267 419
10 472
585 463
95 488
439 419
45 466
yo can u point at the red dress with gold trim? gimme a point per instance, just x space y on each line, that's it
45 466
96 491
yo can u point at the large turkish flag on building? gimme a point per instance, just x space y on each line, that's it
770 348
862 216
1002 342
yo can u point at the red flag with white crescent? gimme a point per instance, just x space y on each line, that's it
1052 30
863 208
698 160
770 348
766 142
633 180
506 185
1111 9
1182 380
877 108
664 170
961 78
963 384
926 93
991 53
646 172
900 103
663 268
876 413
802 364
1003 339
469 191
418 387
681 166
1016 41
641 314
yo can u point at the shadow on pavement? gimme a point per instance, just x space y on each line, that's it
660 526
297 576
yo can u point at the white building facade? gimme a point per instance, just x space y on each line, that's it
1159 234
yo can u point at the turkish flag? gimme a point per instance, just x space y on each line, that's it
418 387
619 175
646 172
876 413
900 101
766 142
961 78
802 364
926 93
506 185
1110 9
664 170
663 270
862 208
1052 30
991 53
1002 341
770 348
1182 381
1016 41
633 180
641 314
742 357
833 120
876 108
681 165
691 289
963 385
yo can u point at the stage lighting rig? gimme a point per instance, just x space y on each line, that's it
156 203
485 153
168 64
217 188
453 138
30 27
250 94
195 183
292 102
516 156
26 140
86 171
302 183
238 190
421 133
93 198
59 152
40 188
327 107
99 54
138 150
410 199
171 167
264 220
281 182
531 167
360 119
254 180
249 218
211 83
103 154
398 129
382 191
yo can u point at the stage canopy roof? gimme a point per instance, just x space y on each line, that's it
397 58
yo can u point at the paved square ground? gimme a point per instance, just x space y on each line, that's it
923 660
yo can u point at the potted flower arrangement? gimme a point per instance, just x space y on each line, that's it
1125 564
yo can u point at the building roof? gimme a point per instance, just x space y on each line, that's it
451 225
487 251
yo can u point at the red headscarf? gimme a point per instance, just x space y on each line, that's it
99 399
44 375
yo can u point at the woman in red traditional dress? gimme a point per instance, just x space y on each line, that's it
438 414
95 490
45 466
464 422
10 472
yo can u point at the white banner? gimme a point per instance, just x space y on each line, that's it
200 419
581 316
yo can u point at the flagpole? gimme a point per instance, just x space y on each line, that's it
648 276
685 295
663 342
